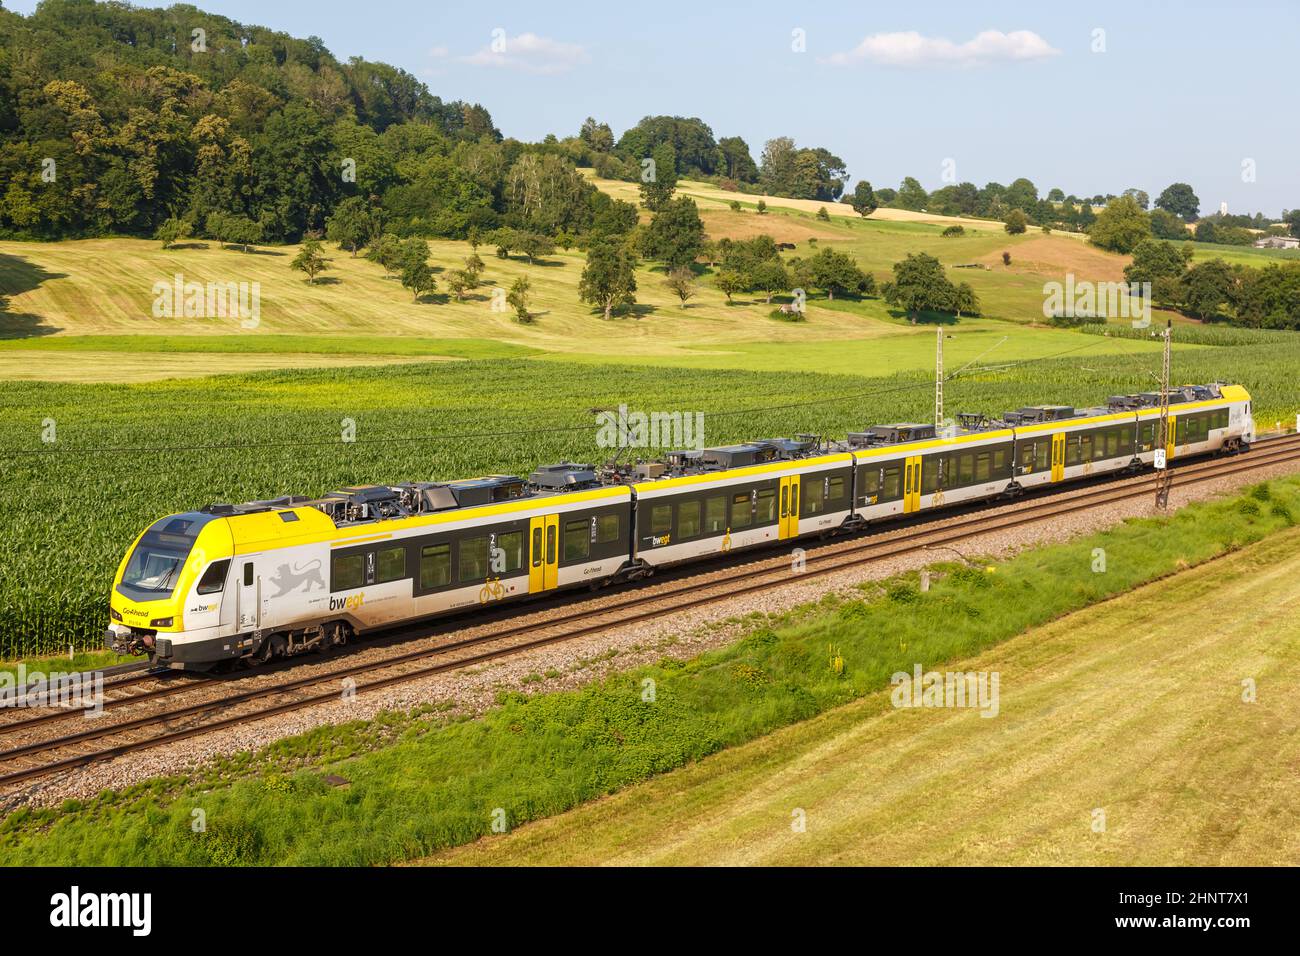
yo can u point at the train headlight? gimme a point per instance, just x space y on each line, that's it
113 613
161 622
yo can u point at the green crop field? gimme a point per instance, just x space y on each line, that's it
124 455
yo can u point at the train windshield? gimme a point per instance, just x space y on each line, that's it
159 558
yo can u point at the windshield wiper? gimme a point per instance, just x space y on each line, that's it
166 581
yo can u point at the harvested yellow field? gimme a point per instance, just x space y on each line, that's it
92 366
1126 735
106 286
711 197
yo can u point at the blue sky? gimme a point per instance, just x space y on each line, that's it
1185 91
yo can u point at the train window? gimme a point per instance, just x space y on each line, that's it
392 565
715 515
742 515
688 519
575 540
349 571
835 491
661 519
870 483
794 499
537 547
511 548
1148 433
248 574
474 559
1001 464
1072 450
890 487
767 506
550 544
1180 431
814 496
964 469
930 473
435 564
214 578
1042 455
983 462
606 529
1085 447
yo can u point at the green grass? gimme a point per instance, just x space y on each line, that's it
1132 706
534 757
989 342
1237 255
78 661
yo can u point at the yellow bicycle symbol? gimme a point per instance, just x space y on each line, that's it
726 541
492 590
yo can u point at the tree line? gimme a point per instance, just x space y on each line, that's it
1018 205
1213 290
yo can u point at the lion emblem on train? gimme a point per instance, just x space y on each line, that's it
302 577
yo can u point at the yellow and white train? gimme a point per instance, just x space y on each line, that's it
231 583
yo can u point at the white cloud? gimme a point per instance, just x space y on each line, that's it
530 53
438 52
913 49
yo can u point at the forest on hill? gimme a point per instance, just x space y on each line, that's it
115 119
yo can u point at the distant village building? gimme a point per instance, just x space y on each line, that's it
1278 242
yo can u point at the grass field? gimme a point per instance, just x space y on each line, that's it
105 287
419 784
1133 707
1239 255
91 298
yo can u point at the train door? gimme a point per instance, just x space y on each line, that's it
789 522
912 484
249 597
544 553
1171 437
1058 456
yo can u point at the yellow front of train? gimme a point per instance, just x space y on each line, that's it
161 571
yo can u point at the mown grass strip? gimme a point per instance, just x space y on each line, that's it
273 344
445 784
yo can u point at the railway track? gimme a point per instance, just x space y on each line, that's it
40 758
